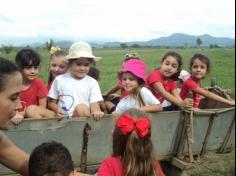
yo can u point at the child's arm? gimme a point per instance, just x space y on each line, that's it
52 104
112 90
43 102
13 157
152 108
96 111
169 97
188 102
213 96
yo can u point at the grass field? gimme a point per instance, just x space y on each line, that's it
222 60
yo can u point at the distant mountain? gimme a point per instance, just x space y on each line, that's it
179 39
174 40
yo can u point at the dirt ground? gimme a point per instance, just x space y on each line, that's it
213 164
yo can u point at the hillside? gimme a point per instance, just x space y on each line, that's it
174 40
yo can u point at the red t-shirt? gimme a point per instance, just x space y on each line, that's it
34 93
155 76
123 92
49 86
112 166
187 87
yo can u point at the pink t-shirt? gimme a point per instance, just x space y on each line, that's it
123 92
155 76
112 166
34 93
187 87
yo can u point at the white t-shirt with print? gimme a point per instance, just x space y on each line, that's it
71 91
129 102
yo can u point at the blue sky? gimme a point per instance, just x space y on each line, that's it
116 20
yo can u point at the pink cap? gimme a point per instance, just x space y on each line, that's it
136 67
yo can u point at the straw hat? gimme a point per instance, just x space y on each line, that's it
81 50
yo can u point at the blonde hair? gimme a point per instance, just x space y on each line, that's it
137 154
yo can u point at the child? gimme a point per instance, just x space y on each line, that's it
34 91
132 77
58 64
133 152
199 68
161 82
75 94
51 159
95 73
111 98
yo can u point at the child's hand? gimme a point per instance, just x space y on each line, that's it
17 119
233 102
115 95
187 103
97 115
61 113
116 113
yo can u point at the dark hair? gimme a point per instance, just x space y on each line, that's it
94 73
6 68
50 158
202 58
137 154
27 57
59 53
179 59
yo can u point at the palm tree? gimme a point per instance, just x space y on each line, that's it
49 44
199 42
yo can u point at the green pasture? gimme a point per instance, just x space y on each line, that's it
222 60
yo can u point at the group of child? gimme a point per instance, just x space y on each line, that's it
76 93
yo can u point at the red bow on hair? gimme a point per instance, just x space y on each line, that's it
127 124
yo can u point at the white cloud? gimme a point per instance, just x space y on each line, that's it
122 20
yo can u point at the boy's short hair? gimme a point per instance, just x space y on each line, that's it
27 57
50 159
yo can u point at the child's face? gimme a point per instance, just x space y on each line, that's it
30 73
58 66
198 69
169 67
80 67
129 81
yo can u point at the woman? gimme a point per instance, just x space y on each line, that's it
10 86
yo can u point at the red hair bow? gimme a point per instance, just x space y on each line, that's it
126 124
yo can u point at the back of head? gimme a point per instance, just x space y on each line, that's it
50 159
6 68
132 142
129 56
27 57
94 73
